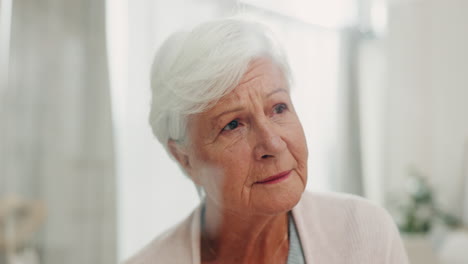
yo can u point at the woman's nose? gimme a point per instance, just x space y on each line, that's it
269 143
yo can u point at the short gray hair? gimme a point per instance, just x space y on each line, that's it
193 69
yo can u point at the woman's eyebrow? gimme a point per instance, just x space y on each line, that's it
237 109
276 91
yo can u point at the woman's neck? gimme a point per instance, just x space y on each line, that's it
227 237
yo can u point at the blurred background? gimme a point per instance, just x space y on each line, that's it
381 89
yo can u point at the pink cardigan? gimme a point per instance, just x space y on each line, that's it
333 229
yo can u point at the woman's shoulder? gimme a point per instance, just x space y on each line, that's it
357 228
331 209
343 204
172 246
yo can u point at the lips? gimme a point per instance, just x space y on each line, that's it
275 178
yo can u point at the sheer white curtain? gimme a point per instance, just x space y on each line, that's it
56 130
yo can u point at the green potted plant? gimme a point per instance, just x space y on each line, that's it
416 208
416 213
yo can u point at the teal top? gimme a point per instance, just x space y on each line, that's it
295 254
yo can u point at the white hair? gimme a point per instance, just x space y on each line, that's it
193 70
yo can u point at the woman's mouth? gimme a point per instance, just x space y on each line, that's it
275 178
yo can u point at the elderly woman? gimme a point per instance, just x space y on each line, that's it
221 107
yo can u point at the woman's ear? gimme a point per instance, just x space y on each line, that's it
179 154
183 158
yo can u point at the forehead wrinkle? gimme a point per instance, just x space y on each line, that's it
265 84
249 79
252 70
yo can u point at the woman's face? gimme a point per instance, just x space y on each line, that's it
249 136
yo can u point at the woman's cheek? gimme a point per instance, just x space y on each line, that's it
297 143
236 152
235 158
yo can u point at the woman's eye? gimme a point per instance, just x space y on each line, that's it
231 126
280 108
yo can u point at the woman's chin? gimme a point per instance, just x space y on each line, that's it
271 201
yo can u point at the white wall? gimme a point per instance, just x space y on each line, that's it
425 107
